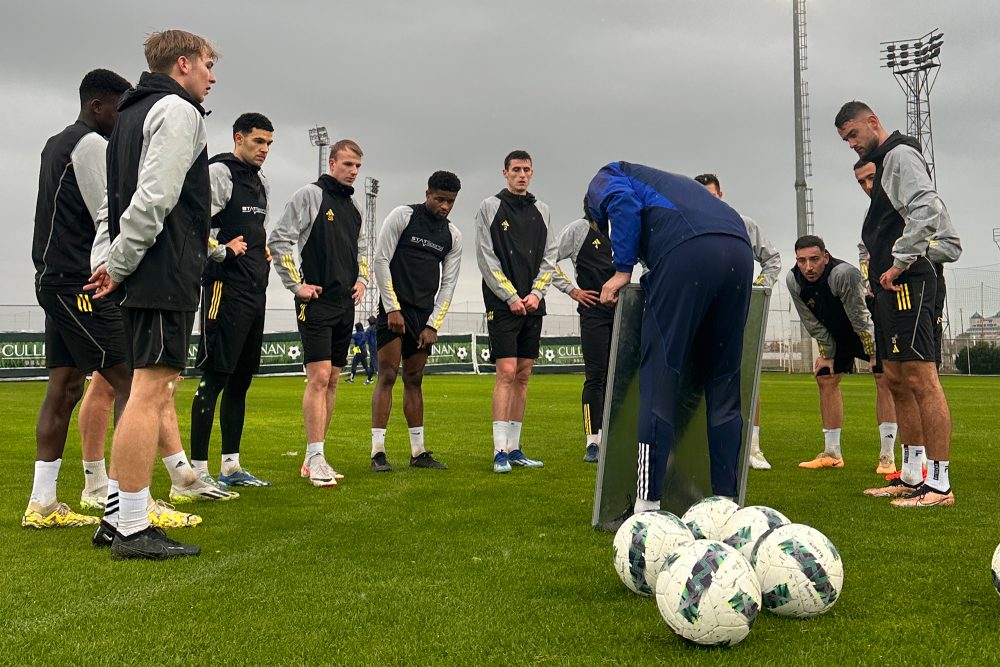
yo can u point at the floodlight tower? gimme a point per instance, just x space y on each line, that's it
803 151
915 64
803 143
996 236
369 303
319 137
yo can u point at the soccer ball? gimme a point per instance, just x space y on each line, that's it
707 517
996 569
708 593
641 546
745 527
800 572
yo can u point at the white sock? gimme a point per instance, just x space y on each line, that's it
831 438
416 440
312 449
95 475
199 466
642 505
230 463
133 515
378 441
513 435
755 438
111 504
887 436
180 471
499 437
937 476
912 471
43 490
594 438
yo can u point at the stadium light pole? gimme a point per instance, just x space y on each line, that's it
996 236
915 64
319 137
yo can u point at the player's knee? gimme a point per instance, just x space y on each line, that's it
413 379
387 375
505 373
69 394
319 379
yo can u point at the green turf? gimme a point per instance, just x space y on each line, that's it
467 567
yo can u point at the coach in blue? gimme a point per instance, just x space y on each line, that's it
700 273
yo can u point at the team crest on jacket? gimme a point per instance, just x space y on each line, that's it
505 225
329 214
596 243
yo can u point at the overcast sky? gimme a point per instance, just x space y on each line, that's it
683 86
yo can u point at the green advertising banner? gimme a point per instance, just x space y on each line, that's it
22 355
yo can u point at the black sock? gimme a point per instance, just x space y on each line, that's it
232 412
203 412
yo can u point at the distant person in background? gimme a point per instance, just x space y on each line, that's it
589 248
359 350
417 261
371 341
828 294
697 293
909 234
767 256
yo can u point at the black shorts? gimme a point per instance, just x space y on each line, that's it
157 337
513 335
870 303
81 333
939 296
325 330
908 319
415 321
232 329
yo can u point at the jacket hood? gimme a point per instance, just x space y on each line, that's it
151 83
335 187
895 139
233 162
527 199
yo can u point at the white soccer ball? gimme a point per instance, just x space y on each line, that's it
745 527
708 593
800 572
707 517
641 546
996 569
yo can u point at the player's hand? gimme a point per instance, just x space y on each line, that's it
308 292
821 363
868 290
609 292
530 303
587 297
396 322
237 245
427 338
886 279
267 254
518 308
357 292
101 282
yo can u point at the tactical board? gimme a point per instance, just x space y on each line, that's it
687 479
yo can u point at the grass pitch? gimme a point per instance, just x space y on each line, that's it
467 567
